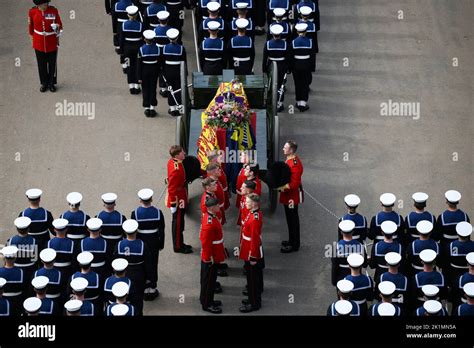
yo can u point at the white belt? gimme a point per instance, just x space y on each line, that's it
423 299
98 264
135 264
277 59
112 237
246 238
398 299
382 237
132 39
459 267
344 266
92 298
45 33
52 295
416 267
414 235
148 231
146 2
62 264
382 266
11 294
447 236
218 241
302 57
154 25
24 264
160 46
121 20
38 233
213 60
174 3
238 59
463 300
172 62
360 301
76 236
150 62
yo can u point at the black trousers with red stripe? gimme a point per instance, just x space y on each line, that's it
255 283
208 284
177 228
47 67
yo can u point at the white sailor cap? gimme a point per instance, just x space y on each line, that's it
119 310
33 193
40 282
32 304
3 281
120 289
85 258
452 196
432 306
346 226
279 12
130 226
73 305
392 258
469 289
464 229
470 258
111 197
276 29
345 286
213 6
60 224
213 25
146 193
386 288
386 309
430 290
79 284
131 10
301 27
343 307
48 255
424 226
74 198
163 15
9 251
388 227
241 5
94 224
355 260
428 255
420 197
306 10
387 199
242 23
22 222
119 265
352 200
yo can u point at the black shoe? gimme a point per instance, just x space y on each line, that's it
43 89
138 90
248 308
213 310
52 88
132 90
186 246
303 108
164 93
217 303
285 243
222 273
245 301
151 295
183 251
153 113
245 292
125 70
222 266
175 113
147 112
288 249
218 283
218 289
281 108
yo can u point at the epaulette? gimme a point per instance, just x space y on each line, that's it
295 161
176 164
209 219
255 215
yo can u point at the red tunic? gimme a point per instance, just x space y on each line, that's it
221 198
251 238
225 187
176 184
212 239
203 204
240 181
293 194
39 27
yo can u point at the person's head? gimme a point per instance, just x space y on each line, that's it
60 227
32 306
346 227
40 285
132 12
108 200
94 226
213 156
252 201
290 148
251 171
34 197
355 262
213 28
352 202
209 184
3 281
386 290
41 4
464 231
244 157
301 28
120 267
344 289
47 257
248 187
387 200
73 308
424 228
388 229
146 196
79 286
163 17
452 199
279 13
241 9
74 200
130 228
469 292
120 291
177 152
149 36
419 200
22 225
470 262
213 170
393 260
84 260
213 9
212 205
305 12
276 30
241 25
428 257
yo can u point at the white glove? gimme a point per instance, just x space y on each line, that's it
173 210
54 26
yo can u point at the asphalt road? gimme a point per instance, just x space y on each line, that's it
345 144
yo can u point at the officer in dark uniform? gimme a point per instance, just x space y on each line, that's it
161 40
57 283
109 7
149 66
361 227
303 64
468 277
311 32
14 287
176 10
119 16
112 221
76 229
277 50
27 247
94 287
393 275
150 17
151 230
363 284
280 19
387 214
344 291
242 12
119 267
458 250
241 50
98 247
130 43
64 248
424 231
419 214
138 256
203 30
213 51
173 54
41 219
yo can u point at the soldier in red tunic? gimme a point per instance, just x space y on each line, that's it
252 253
251 172
212 253
245 160
214 157
247 188
291 195
177 198
45 26
213 171
210 187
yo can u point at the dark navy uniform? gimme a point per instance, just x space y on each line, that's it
26 246
94 289
176 10
130 42
456 264
109 7
401 287
286 33
173 55
377 259
375 231
5 308
109 297
48 307
151 230
13 289
119 16
203 12
303 64
111 229
446 227
464 310
428 278
251 10
65 255
457 292
331 312
363 290
340 267
373 310
414 250
241 54
277 50
249 31
160 35
41 225
213 56
143 5
361 227
102 254
56 285
203 30
150 19
314 16
76 228
149 66
273 4
88 309
311 33
131 309
410 223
